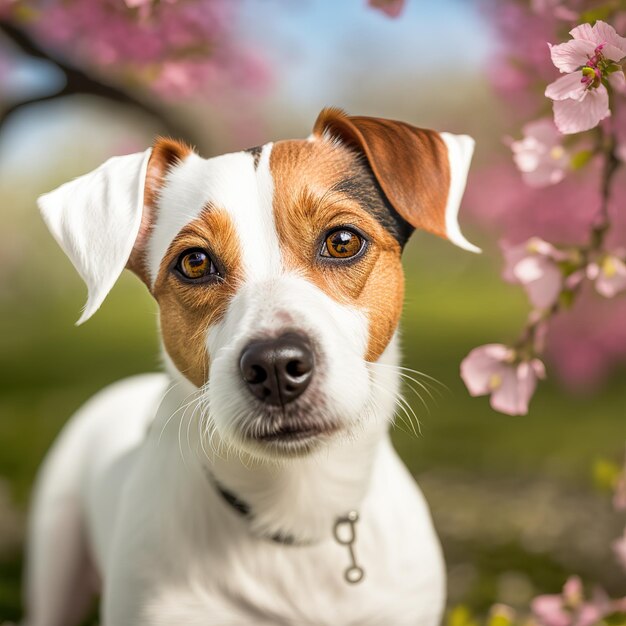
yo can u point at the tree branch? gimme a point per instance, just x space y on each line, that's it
603 220
78 82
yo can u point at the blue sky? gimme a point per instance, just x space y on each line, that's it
320 44
322 51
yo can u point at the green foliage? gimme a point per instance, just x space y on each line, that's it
615 619
601 12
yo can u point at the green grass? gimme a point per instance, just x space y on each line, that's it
455 301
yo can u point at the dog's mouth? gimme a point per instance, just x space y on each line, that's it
293 433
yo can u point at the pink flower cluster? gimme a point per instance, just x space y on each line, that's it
540 155
534 264
573 607
498 371
177 47
570 608
545 272
589 60
567 191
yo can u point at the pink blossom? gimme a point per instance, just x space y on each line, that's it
495 370
501 201
540 155
533 264
178 48
555 8
133 4
570 608
581 99
391 8
589 341
609 274
521 35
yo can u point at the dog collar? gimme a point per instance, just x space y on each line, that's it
244 509
344 531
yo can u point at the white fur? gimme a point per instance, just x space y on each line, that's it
460 151
95 219
128 492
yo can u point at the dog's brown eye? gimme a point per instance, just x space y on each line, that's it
196 264
342 244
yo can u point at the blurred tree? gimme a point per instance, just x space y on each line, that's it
140 53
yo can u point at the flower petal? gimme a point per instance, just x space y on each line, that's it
480 365
507 398
573 116
617 80
605 33
566 87
544 177
530 269
544 291
543 130
549 610
589 615
526 385
569 56
537 271
539 368
584 32
539 155
573 591
611 277
613 53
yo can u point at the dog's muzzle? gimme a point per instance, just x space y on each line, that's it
278 371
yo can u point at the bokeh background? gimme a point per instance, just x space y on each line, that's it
514 498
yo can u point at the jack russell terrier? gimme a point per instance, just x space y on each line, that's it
255 482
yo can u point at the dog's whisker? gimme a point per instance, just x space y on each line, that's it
412 371
405 402
193 404
180 445
419 395
406 408
183 406
428 388
398 405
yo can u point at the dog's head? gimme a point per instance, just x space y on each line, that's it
277 270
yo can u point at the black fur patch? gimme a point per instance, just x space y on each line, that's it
256 154
363 187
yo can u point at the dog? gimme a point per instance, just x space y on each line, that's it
254 482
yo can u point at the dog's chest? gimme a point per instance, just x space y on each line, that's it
182 556
231 577
304 586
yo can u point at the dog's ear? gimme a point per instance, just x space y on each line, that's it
101 220
422 172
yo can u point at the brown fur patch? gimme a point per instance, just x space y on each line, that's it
307 204
410 164
165 154
187 310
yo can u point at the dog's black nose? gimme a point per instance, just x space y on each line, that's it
277 371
